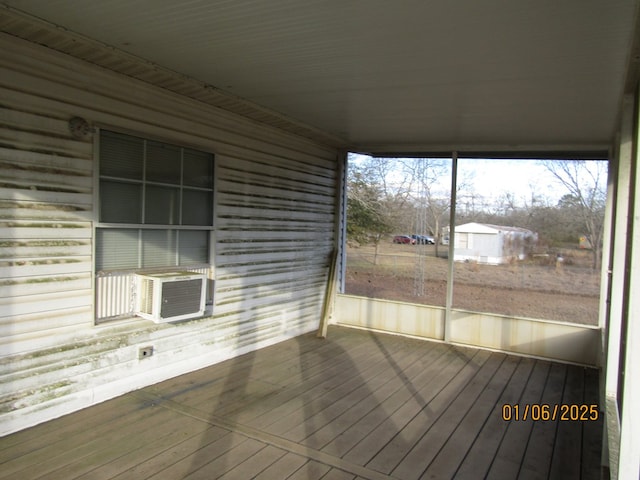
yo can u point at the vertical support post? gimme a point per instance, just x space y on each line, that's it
605 287
616 294
629 460
343 172
618 266
336 260
452 219
607 250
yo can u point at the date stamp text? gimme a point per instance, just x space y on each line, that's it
546 412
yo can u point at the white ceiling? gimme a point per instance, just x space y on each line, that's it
384 75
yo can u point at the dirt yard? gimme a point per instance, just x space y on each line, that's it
537 288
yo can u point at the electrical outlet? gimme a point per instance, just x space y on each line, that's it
145 352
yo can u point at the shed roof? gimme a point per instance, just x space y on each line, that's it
488 228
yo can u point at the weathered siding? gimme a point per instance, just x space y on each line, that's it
274 234
275 207
45 224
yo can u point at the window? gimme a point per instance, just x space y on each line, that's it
156 214
156 204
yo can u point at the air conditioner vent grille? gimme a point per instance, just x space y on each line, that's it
181 298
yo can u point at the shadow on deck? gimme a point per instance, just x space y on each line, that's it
357 405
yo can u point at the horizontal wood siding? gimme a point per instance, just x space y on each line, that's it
45 225
275 205
274 231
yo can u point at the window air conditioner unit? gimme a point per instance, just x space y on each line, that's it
168 297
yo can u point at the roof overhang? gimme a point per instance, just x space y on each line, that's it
506 78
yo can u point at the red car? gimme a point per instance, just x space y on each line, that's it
404 239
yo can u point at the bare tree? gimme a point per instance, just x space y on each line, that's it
376 201
367 218
430 179
384 173
585 183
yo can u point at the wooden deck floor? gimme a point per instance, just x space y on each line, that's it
358 405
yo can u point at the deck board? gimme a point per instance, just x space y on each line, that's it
312 470
424 451
411 410
322 420
161 459
404 397
284 467
448 458
137 438
59 450
509 457
543 437
479 457
591 431
569 434
310 412
29 440
405 439
358 405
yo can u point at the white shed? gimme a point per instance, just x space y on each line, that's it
492 244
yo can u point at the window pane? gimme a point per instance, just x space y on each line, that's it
163 163
161 205
121 155
120 202
194 247
198 169
158 248
116 249
197 208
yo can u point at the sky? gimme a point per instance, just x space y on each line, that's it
492 179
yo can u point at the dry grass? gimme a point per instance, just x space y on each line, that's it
536 288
